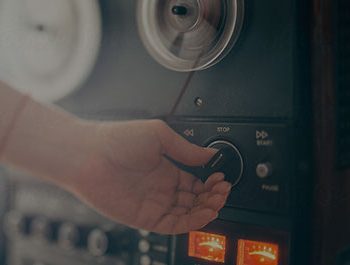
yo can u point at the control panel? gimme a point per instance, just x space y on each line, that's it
259 168
47 226
224 242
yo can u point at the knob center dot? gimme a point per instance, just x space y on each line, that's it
179 10
40 27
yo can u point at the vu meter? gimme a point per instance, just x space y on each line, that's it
227 243
207 246
212 247
256 253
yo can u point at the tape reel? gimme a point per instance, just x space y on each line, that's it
189 35
48 47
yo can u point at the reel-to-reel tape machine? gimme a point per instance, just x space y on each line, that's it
222 73
189 35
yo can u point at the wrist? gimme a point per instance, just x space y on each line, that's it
8 125
48 143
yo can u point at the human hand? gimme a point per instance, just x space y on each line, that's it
118 168
128 179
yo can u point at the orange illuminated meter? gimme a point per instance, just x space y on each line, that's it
257 253
225 243
212 247
207 246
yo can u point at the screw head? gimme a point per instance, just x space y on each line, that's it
198 101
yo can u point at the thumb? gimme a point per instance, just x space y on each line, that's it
181 150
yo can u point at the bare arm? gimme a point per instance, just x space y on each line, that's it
118 168
44 141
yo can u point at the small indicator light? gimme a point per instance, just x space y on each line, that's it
257 253
207 246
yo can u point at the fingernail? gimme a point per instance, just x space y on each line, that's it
229 187
221 176
214 217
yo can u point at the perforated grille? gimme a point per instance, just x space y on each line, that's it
343 80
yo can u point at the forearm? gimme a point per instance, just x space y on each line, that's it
9 101
44 141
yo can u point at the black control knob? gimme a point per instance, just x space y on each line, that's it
98 242
69 236
41 228
102 242
16 223
228 160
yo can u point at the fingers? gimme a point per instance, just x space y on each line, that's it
201 215
185 199
194 211
212 200
198 187
222 187
215 198
180 211
215 202
187 181
191 192
179 148
213 179
190 183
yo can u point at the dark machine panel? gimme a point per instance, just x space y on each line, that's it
130 83
343 257
265 176
258 98
249 100
343 82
